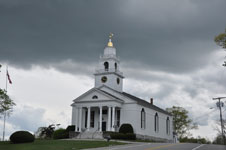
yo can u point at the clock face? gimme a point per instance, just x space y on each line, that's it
118 80
104 79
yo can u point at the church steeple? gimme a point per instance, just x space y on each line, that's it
107 72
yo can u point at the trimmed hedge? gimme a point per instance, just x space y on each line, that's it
22 137
70 128
122 136
126 128
60 134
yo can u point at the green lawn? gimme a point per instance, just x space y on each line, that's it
56 145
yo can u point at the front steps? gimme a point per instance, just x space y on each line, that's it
88 135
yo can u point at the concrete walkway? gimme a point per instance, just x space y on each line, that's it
117 147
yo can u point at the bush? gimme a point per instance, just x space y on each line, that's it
22 137
118 136
122 136
46 132
194 140
60 134
70 128
131 136
126 128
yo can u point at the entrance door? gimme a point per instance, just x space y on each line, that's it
104 126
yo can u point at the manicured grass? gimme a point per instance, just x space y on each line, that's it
56 145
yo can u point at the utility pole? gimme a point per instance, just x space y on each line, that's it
222 126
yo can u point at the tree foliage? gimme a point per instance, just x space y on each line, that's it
46 132
221 41
219 140
6 103
181 121
195 140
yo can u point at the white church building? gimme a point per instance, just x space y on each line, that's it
106 107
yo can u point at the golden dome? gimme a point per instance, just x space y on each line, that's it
110 44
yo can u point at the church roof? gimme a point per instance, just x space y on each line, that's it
109 94
145 103
138 100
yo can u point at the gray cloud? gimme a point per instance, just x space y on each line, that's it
166 47
174 36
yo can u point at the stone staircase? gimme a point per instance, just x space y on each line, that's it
90 135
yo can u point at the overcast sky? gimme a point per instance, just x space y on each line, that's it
166 50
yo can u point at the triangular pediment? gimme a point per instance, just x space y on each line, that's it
95 94
117 94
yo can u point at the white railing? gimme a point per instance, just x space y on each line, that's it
109 56
108 70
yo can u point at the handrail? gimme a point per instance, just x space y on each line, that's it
94 133
108 70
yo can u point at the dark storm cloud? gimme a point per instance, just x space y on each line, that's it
175 36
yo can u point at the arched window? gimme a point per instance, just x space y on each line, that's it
95 97
156 122
143 118
167 126
115 66
106 66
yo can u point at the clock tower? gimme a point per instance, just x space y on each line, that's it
107 73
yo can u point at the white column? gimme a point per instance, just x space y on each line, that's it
109 118
100 121
88 119
76 118
80 119
113 118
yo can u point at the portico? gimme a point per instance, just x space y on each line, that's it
92 117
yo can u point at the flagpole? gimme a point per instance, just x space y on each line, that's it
3 136
6 82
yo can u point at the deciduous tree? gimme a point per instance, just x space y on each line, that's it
45 132
181 122
6 107
221 41
6 103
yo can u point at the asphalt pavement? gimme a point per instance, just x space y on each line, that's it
164 146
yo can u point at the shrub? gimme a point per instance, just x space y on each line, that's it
117 136
70 128
126 128
122 136
60 134
46 132
130 136
194 140
22 137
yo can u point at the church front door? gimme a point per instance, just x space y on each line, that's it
104 126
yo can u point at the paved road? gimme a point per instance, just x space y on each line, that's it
164 146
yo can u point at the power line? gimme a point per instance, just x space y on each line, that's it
197 118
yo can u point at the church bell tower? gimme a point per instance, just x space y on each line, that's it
107 72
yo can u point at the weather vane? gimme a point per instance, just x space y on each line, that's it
111 35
